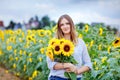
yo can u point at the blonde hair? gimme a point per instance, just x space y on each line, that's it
73 34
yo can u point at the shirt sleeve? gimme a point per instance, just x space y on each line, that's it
50 63
85 56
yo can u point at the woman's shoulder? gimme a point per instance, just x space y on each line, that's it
81 41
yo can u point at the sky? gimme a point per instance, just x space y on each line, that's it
86 11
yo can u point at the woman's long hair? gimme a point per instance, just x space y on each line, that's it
73 34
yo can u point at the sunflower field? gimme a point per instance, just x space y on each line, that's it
23 53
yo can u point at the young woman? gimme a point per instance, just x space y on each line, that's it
66 29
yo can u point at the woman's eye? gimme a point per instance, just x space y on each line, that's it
67 23
61 24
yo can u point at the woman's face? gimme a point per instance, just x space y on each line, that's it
65 26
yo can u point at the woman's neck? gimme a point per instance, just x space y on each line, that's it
67 36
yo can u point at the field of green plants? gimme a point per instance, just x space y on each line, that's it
23 53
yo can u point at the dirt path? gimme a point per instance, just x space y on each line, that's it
5 75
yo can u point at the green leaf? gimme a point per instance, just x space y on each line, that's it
70 75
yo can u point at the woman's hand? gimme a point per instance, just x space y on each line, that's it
69 67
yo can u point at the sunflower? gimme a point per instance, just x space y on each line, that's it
29 38
116 43
100 31
35 73
18 31
9 48
80 36
2 35
99 47
62 40
49 53
57 48
52 41
104 59
48 32
91 43
42 50
41 33
67 48
86 28
109 48
29 32
1 52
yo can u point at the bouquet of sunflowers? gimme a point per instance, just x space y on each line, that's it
61 50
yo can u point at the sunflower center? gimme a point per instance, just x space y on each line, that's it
42 33
53 43
57 48
116 41
29 38
67 48
50 53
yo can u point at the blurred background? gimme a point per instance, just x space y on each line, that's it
26 27
27 14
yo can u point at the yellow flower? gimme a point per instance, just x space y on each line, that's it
109 47
41 41
9 48
52 41
2 35
30 54
61 41
48 32
34 74
29 38
80 36
91 43
17 74
95 63
99 47
18 31
14 66
116 43
15 52
20 39
12 39
30 78
30 59
20 52
24 67
10 57
1 52
96 68
57 48
24 52
67 48
29 32
41 33
100 31
86 45
42 50
104 59
86 28
16 58
40 59
49 53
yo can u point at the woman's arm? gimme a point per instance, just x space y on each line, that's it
58 66
82 70
87 65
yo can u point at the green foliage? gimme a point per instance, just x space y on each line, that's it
25 59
